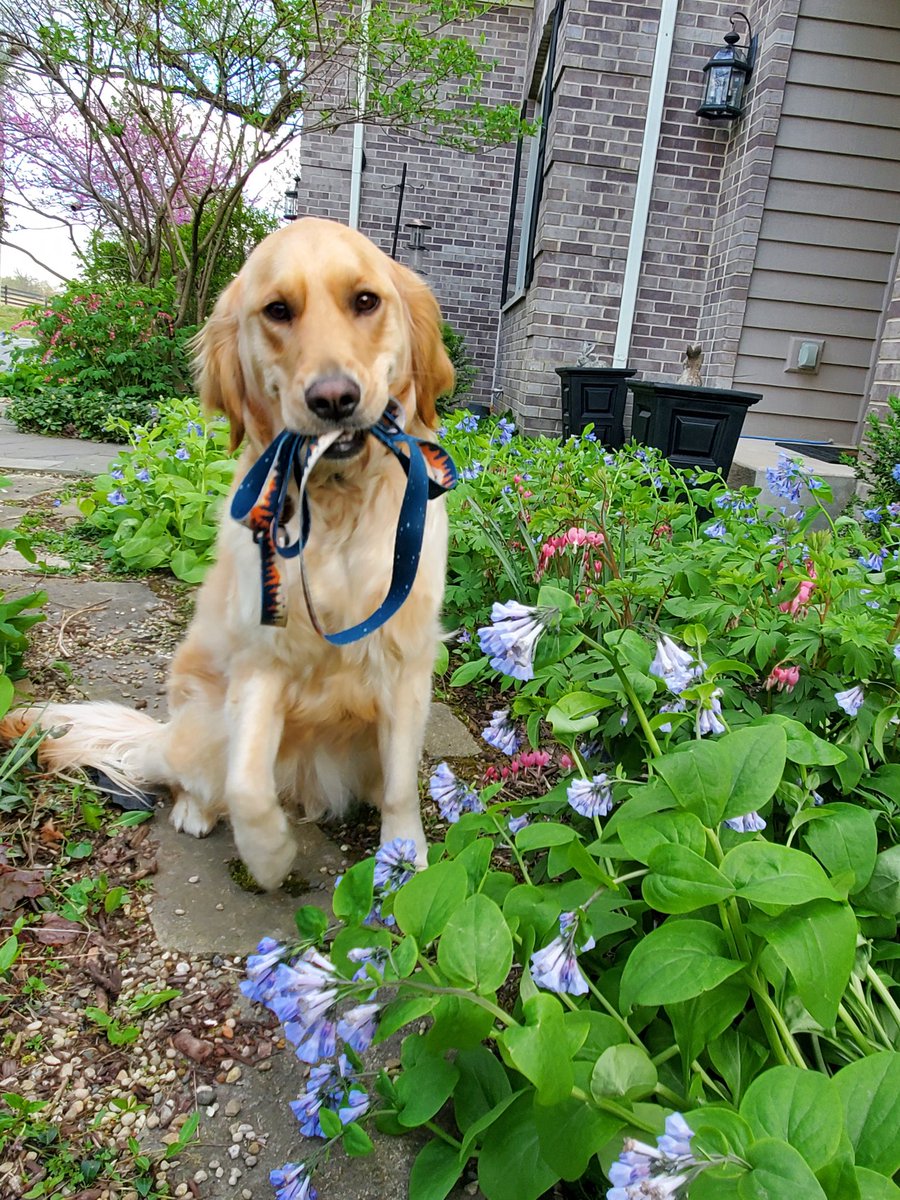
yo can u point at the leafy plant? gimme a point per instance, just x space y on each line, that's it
96 357
157 504
466 371
878 464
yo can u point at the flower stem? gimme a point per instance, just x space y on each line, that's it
854 1030
615 1110
442 1134
873 978
504 834
494 1009
630 693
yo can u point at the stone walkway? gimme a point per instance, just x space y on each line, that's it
196 907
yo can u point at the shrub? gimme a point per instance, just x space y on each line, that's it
878 464
94 357
466 371
157 504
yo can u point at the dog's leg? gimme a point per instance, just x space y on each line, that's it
261 831
400 737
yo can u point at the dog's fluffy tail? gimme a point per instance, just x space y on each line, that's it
126 745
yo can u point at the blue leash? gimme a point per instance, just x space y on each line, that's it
261 496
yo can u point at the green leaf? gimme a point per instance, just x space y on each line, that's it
468 672
534 1049
800 1107
511 1165
700 1020
678 960
681 881
576 712
624 1072
483 1083
778 1173
356 1141
769 874
543 834
699 779
476 858
738 1059
838 1177
817 944
602 1032
728 777
476 949
311 922
873 1186
435 1171
757 757
843 838
882 893
869 1090
571 1133
353 896
645 833
803 746
424 1089
403 1012
424 905
330 1122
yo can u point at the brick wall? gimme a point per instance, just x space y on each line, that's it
464 197
706 203
885 377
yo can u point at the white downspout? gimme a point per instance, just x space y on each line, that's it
644 187
362 84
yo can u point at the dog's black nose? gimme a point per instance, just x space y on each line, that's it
333 397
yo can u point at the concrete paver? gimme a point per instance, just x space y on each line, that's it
32 452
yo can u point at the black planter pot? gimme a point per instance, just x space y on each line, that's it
595 396
693 426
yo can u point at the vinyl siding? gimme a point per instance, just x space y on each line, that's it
826 248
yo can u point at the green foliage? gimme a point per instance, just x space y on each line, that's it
880 454
718 937
106 261
157 504
466 371
96 357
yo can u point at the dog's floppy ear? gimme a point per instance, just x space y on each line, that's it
217 365
433 372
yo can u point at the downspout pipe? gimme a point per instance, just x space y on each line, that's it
644 187
359 129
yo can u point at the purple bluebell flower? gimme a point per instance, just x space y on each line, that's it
473 471
57 502
261 970
464 637
895 472
117 473
676 1141
312 1043
395 864
505 431
717 530
330 1085
357 1026
609 460
873 561
896 649
786 480
555 968
117 497
469 423
194 427
510 641
589 436
292 1182
451 795
894 509
143 475
183 453
514 824
750 822
676 706
590 797
708 716
303 997
674 665
851 700
643 1172
501 733
875 515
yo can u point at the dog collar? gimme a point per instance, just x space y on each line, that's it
260 498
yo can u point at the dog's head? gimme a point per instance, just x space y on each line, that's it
316 333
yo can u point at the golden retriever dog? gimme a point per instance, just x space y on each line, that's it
315 334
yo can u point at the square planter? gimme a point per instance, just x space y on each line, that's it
595 396
692 426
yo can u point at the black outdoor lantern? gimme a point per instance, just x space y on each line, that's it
292 201
727 73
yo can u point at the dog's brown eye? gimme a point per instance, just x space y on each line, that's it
277 311
366 302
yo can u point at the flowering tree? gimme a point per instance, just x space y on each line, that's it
146 115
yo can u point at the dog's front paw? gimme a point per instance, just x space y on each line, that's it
267 848
189 816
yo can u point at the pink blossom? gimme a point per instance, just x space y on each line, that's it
784 678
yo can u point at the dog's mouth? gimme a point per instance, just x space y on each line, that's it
348 445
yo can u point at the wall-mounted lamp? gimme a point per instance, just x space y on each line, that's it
417 230
292 201
727 73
